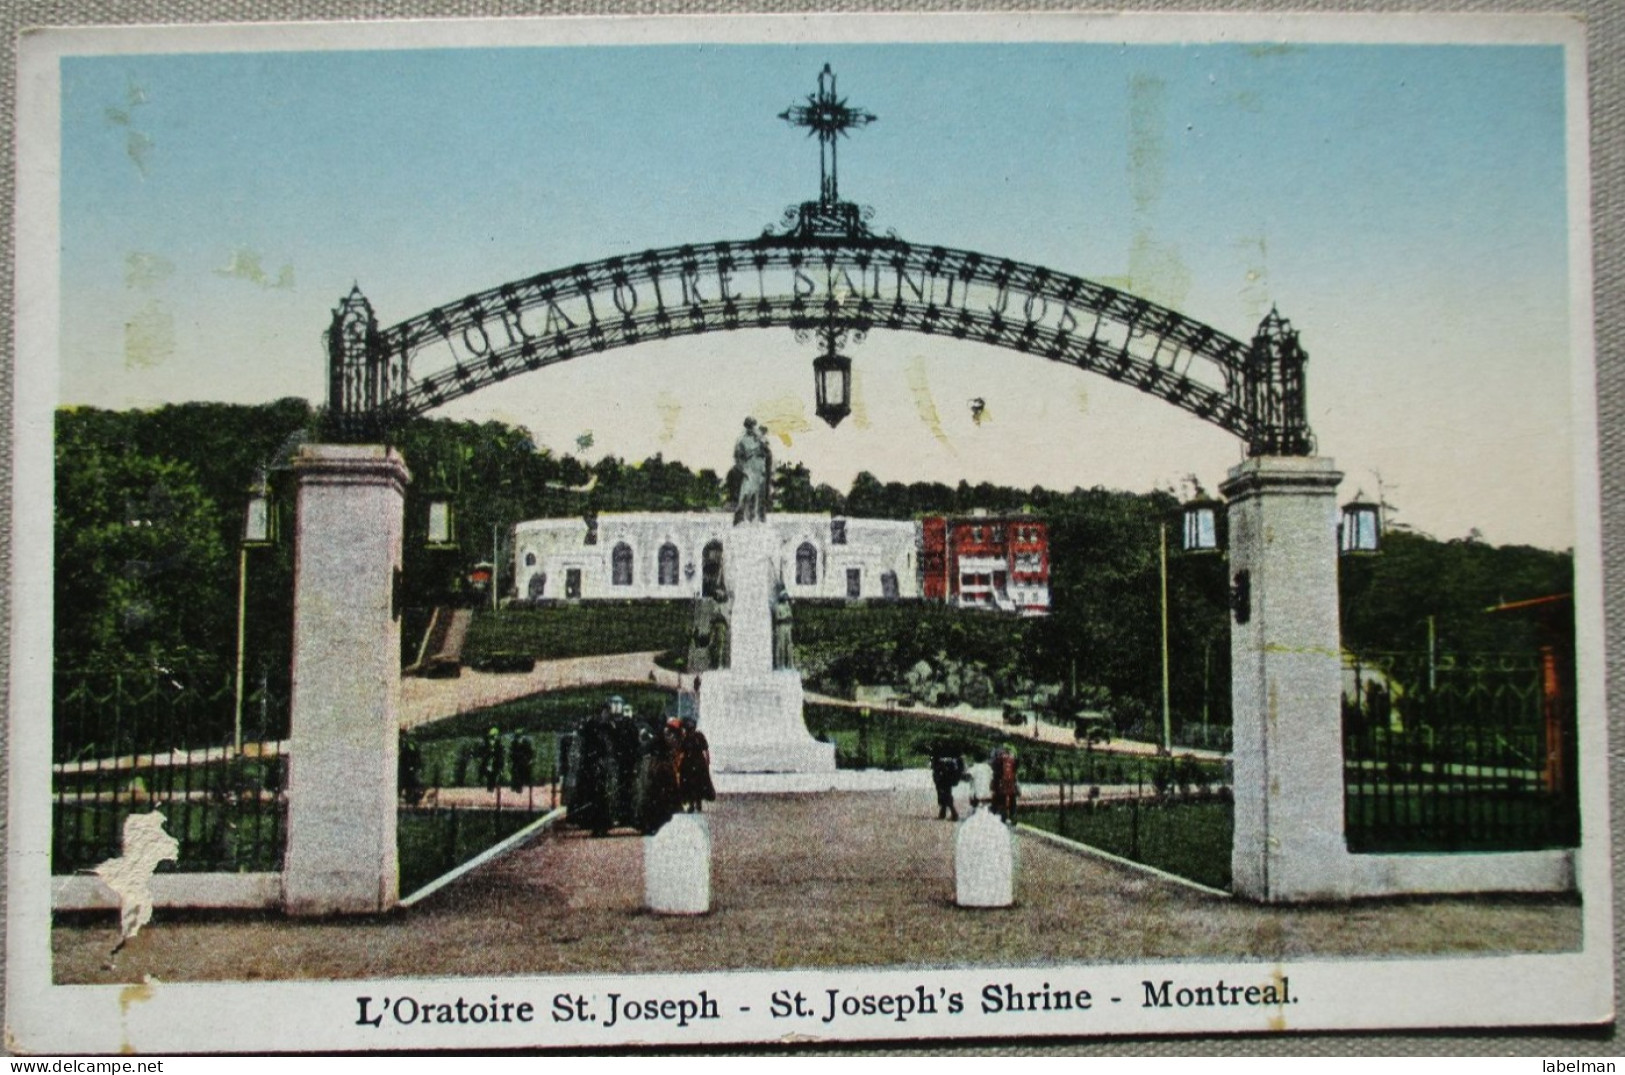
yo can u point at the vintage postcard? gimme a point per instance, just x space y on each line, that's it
597 532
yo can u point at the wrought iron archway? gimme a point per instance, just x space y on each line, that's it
821 271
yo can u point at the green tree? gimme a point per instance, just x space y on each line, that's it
867 498
140 563
793 490
1388 599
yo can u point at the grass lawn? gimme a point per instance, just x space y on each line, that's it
599 627
1419 819
904 739
1191 839
900 739
431 843
583 630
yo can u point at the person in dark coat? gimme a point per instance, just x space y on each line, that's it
409 774
491 760
627 747
694 767
598 783
659 798
521 756
947 770
1005 788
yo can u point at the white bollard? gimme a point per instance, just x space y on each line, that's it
677 866
984 862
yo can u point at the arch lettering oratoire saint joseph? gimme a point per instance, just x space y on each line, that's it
823 270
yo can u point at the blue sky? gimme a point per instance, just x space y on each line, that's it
1405 205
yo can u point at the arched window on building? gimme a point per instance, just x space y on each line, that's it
806 565
621 565
711 569
530 559
668 564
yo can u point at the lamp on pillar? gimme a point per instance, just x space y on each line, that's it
442 531
259 531
1200 532
1360 531
832 381
1199 525
259 522
440 540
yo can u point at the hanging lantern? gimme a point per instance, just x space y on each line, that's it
259 521
832 380
1361 528
1199 525
441 532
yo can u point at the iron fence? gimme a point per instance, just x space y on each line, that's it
460 795
1458 753
434 839
1175 814
172 739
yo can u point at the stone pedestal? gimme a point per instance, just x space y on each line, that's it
1286 681
750 565
346 682
754 725
984 862
750 712
677 867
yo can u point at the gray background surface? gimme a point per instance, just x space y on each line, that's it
1604 18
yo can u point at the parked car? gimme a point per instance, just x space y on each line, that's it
1091 726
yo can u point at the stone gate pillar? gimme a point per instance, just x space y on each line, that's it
1286 686
346 681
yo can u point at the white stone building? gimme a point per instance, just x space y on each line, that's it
677 554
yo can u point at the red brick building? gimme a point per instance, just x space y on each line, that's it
986 561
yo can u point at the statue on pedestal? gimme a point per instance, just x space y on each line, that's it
753 463
783 619
721 627
751 708
708 642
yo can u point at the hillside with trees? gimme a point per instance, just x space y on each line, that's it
149 515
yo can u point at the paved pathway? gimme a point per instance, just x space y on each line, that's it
1043 731
426 700
839 879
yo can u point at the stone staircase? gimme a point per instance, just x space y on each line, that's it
441 655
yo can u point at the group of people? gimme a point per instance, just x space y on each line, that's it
684 768
495 756
673 772
619 769
519 754
993 782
